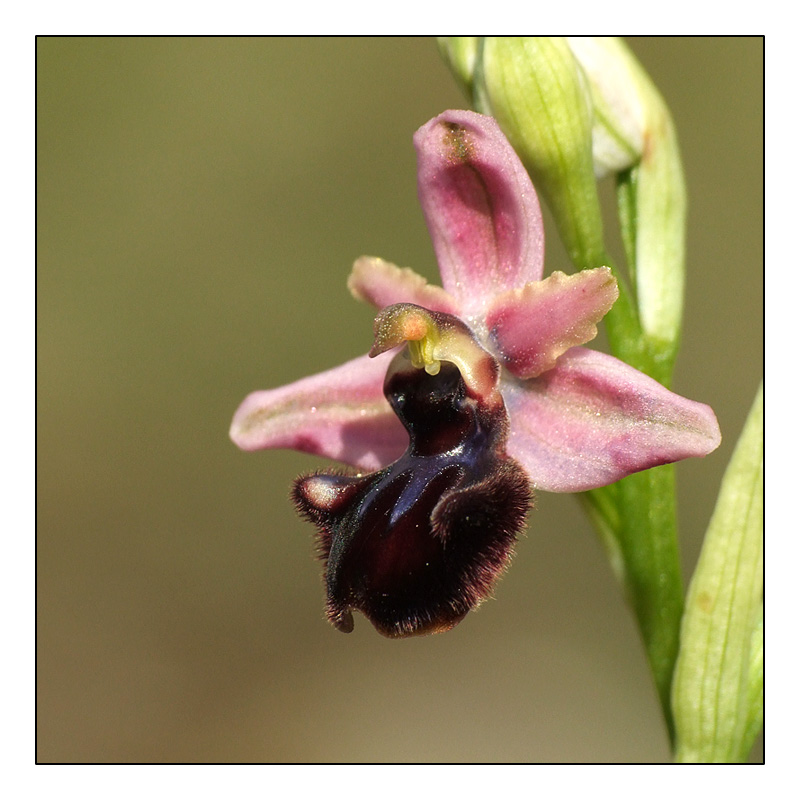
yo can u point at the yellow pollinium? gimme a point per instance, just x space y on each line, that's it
422 338
433 337
405 322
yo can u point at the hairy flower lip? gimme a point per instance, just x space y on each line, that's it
418 544
485 223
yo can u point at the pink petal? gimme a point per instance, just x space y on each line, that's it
480 205
383 284
531 327
340 414
593 420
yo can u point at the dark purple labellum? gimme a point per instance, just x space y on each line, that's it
419 543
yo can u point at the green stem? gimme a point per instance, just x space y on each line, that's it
637 521
648 541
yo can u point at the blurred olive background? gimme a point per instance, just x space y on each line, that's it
200 203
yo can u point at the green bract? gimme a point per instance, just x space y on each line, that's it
717 692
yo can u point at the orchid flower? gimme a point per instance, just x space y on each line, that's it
473 394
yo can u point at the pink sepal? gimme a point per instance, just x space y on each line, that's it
593 419
340 414
481 208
